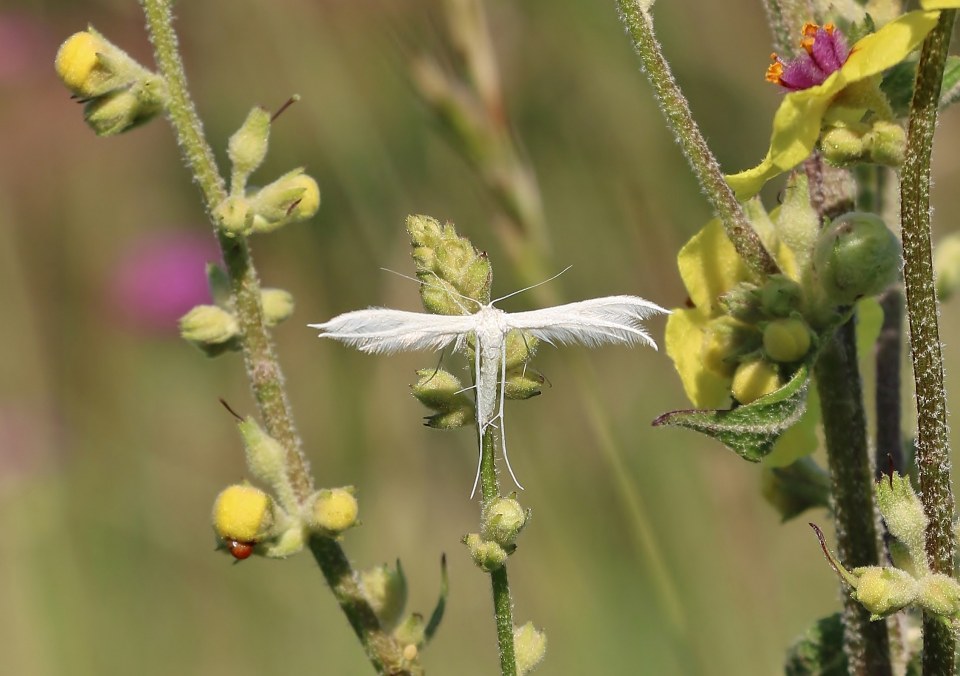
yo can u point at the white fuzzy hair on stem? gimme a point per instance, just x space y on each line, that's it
598 321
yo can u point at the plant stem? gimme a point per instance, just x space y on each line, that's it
263 368
674 106
502 605
845 427
933 451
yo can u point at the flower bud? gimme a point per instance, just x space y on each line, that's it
267 461
780 296
385 589
884 591
333 510
520 348
123 109
742 302
724 339
277 305
293 197
248 145
946 266
208 325
529 645
410 633
886 143
522 383
842 146
903 513
488 555
856 256
233 216
939 594
287 543
451 420
503 519
438 389
243 513
786 340
755 379
449 267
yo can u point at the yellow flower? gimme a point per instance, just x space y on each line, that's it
797 122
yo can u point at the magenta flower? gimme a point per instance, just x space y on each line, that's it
825 50
160 278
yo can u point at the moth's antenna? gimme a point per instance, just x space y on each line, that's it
531 287
423 283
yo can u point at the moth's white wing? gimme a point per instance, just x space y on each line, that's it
385 331
613 319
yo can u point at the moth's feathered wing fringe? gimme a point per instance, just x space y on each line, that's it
385 331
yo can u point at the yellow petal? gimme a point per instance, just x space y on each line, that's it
940 4
710 266
796 124
684 340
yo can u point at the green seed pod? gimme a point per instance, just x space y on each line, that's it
503 519
248 146
786 340
856 256
277 305
488 555
755 379
530 644
385 589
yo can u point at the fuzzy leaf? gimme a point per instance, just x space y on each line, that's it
819 651
898 85
750 431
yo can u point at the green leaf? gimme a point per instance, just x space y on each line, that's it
819 652
898 84
750 431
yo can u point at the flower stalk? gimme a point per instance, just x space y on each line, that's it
263 368
639 25
933 451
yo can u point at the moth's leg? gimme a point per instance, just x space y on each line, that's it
503 427
480 425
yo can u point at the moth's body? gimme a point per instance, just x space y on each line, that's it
612 319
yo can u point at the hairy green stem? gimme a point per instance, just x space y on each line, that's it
502 604
639 25
263 368
848 455
933 450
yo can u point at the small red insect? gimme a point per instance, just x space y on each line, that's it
240 550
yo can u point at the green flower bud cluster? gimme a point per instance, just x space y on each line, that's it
884 590
248 520
293 197
501 522
119 94
215 329
879 142
455 277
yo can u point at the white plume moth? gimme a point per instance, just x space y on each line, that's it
612 319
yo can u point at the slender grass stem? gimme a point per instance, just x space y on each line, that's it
639 25
502 604
933 450
263 367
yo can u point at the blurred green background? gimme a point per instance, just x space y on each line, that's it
661 559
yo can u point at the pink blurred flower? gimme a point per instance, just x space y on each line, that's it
160 277
24 47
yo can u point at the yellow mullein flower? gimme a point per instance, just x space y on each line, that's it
819 77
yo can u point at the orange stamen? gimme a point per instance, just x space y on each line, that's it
774 70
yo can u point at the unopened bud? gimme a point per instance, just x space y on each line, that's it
856 256
884 591
451 420
385 589
293 197
522 383
488 555
267 461
248 145
503 519
903 513
277 305
755 379
842 146
209 324
780 296
233 216
334 510
530 645
520 348
242 513
786 340
886 143
939 594
742 302
121 110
